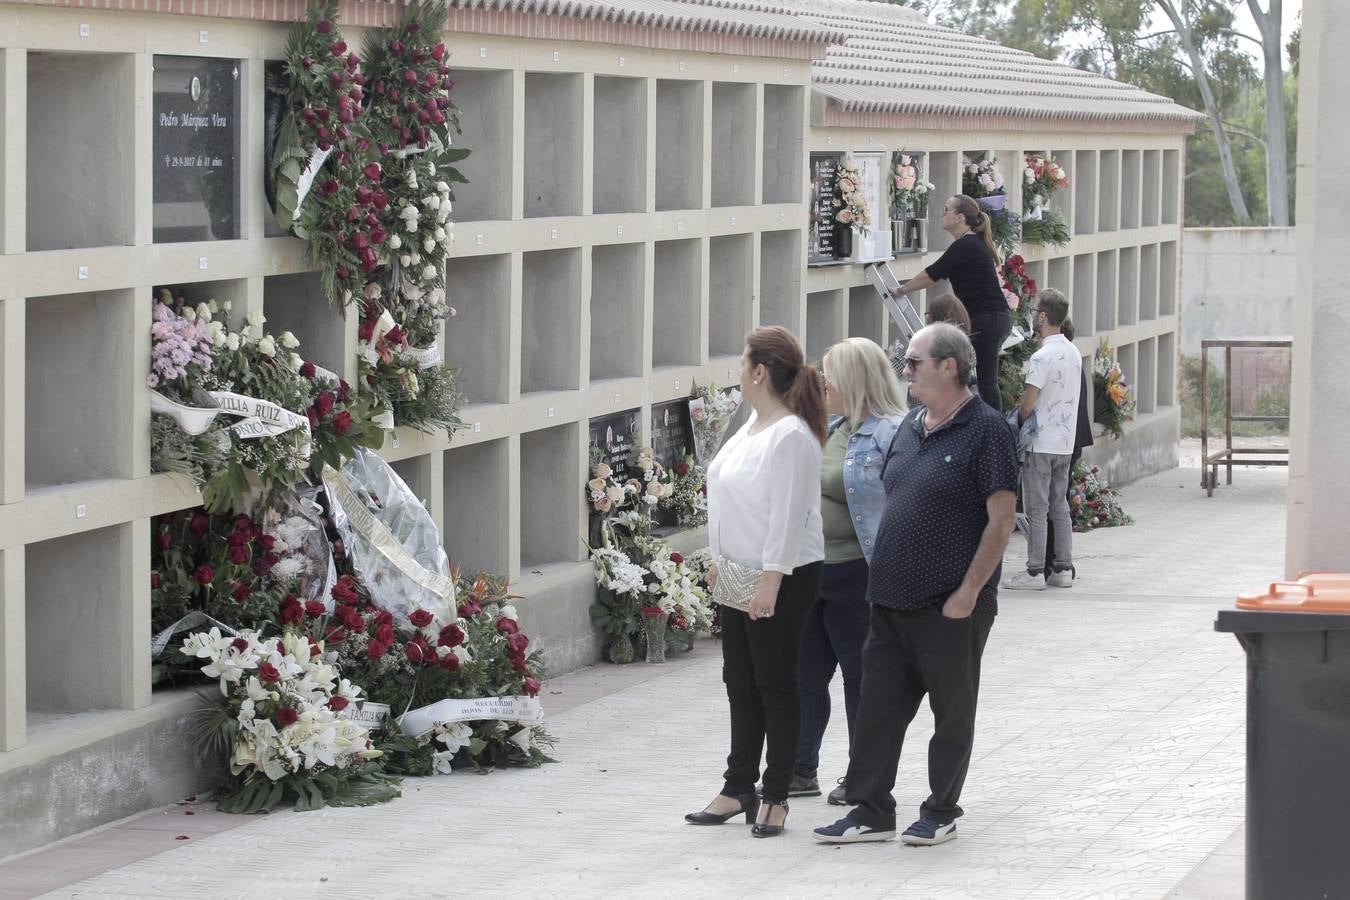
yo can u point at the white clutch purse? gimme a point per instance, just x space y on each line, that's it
736 584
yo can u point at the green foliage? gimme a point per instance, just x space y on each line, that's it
1269 401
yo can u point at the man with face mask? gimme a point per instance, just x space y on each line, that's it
1054 381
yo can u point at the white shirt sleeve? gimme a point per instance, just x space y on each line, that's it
796 469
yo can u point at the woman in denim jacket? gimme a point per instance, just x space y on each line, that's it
866 403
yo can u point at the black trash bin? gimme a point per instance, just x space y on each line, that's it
1297 638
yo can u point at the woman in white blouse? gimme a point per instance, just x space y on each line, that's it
764 512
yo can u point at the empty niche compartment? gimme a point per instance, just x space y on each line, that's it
1062 200
1145 388
79 189
1151 183
296 303
79 377
1108 191
866 315
944 170
1106 290
550 321
1084 188
1148 282
780 279
78 598
483 98
782 154
196 149
476 482
733 144
1167 369
616 310
679 144
1129 189
1171 186
1059 275
416 474
1127 291
553 145
824 322
550 512
1082 302
620 165
729 293
677 280
1167 278
477 339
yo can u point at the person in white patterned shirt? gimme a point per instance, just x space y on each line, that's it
1053 382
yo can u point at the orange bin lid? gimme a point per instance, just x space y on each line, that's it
1319 592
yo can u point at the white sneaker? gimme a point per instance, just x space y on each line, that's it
1024 581
1063 579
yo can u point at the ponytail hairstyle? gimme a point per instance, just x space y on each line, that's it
977 220
796 383
1066 328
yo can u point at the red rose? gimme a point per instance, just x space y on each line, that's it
165 540
384 617
381 199
204 574
703 489
199 524
376 650
518 663
324 26
241 591
292 613
371 170
450 662
335 635
269 560
518 643
154 579
313 648
682 469
352 618
677 558
438 52
335 79
239 644
337 704
344 392
313 417
344 591
337 48
314 608
410 76
268 672
384 632
286 716
507 626
451 636
417 650
342 422
468 608
531 686
239 554
420 618
323 403
331 186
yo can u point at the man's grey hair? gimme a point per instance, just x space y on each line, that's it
946 341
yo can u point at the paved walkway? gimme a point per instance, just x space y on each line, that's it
1108 763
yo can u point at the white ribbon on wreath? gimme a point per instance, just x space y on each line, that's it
258 418
518 709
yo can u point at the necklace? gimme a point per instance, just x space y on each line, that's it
927 431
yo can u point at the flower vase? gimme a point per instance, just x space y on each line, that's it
843 241
897 237
655 630
993 201
620 649
914 235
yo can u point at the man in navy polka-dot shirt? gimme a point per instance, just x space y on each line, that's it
951 478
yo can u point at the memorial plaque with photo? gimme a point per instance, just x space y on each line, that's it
821 246
196 149
613 439
672 438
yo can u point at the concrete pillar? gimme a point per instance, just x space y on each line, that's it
1319 518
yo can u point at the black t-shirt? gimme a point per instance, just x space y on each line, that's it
935 515
969 266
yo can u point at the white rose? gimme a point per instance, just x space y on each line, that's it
227 305
440 235
405 260
212 306
232 342
429 244
189 313
267 346
288 340
410 226
429 273
442 187
415 257
395 242
204 311
431 201
412 383
255 317
296 362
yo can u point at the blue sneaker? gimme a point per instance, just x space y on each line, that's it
926 832
847 831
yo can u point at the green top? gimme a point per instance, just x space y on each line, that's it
841 540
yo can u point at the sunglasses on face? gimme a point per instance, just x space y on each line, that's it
912 362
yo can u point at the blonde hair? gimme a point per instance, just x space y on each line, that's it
859 370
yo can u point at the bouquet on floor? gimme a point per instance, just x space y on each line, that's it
1092 502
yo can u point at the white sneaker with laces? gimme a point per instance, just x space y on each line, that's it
1024 581
1062 579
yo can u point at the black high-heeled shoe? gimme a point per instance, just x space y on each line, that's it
749 806
764 829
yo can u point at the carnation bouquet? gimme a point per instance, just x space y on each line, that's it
850 201
1041 177
710 412
280 722
1092 502
1113 398
688 497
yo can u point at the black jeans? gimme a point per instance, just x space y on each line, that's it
759 666
836 628
987 332
909 654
